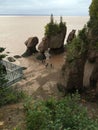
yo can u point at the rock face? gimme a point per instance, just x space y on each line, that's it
82 73
71 36
31 43
72 75
54 43
94 77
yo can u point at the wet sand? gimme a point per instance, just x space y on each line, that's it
38 80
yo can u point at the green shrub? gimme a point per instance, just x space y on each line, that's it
16 128
78 46
93 22
51 29
65 114
9 95
75 49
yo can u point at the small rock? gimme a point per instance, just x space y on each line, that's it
11 59
8 52
24 68
17 56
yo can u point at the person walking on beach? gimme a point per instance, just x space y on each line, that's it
48 58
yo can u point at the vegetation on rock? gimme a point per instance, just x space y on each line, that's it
83 49
78 46
53 28
93 11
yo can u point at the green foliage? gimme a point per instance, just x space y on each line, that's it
2 74
65 114
52 29
93 22
78 46
9 95
1 49
96 46
16 128
93 9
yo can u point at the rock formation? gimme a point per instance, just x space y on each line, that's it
80 72
71 36
31 43
11 59
53 42
54 37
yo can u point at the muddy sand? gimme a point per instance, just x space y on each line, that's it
38 81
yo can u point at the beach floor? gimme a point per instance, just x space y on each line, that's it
38 81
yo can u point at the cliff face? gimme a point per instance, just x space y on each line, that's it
81 68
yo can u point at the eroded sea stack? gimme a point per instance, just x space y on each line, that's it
80 72
31 43
54 37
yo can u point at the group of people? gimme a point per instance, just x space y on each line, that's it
47 61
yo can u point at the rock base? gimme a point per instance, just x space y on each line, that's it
57 50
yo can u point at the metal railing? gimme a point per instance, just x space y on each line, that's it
14 72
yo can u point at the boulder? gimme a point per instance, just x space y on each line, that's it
11 59
17 56
71 36
31 43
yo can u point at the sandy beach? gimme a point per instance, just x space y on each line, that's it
38 80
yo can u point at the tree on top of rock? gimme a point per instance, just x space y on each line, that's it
93 11
53 28
2 74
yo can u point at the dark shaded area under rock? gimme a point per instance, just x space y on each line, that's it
41 56
57 50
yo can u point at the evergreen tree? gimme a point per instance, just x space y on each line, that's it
2 74
93 11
